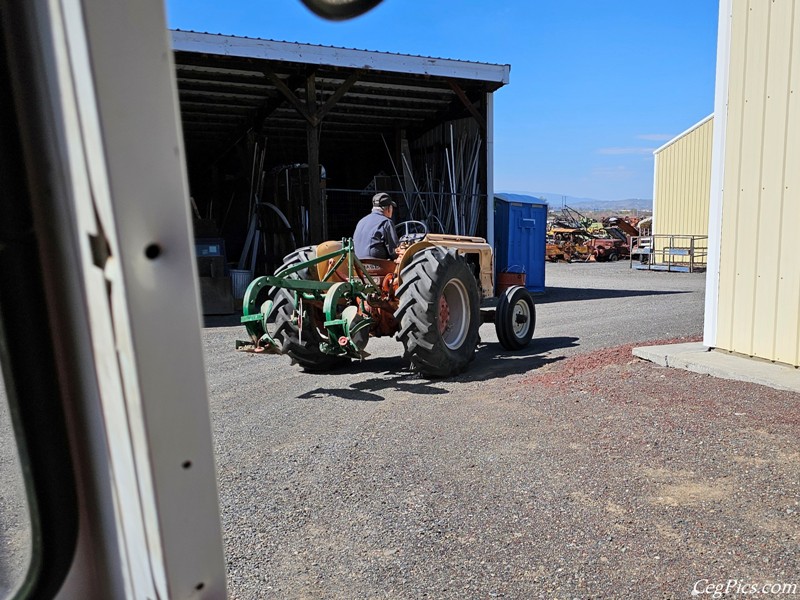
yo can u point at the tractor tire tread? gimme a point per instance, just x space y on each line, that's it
505 313
304 352
422 281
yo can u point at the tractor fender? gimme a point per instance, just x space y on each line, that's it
462 245
410 252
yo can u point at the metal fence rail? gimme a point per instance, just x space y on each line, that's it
669 252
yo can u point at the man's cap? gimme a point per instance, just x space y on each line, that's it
383 200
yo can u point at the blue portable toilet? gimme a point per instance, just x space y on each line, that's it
520 224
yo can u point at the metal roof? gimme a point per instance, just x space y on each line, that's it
521 198
315 54
683 134
230 84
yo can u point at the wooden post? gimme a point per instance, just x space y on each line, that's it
317 226
313 114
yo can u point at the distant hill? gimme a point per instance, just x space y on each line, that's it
556 200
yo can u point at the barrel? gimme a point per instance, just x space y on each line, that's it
506 279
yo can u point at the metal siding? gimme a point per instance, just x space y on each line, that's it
759 281
709 143
683 183
732 151
749 197
772 177
787 316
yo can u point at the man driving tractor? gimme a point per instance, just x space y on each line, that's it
375 236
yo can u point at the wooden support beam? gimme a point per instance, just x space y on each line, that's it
317 227
268 106
274 103
289 95
469 105
313 116
337 95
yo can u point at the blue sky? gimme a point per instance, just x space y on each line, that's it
596 85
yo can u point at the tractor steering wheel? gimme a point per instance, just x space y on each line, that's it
409 232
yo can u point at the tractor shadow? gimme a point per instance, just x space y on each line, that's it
492 361
568 294
386 375
382 374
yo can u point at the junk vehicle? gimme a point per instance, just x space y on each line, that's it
322 306
607 244
566 243
613 247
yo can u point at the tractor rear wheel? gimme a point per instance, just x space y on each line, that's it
302 346
300 255
515 318
439 313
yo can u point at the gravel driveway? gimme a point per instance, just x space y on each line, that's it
569 470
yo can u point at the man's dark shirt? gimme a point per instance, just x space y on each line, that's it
375 236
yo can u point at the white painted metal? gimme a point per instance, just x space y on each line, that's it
101 564
113 169
490 173
338 57
87 168
155 303
717 174
128 163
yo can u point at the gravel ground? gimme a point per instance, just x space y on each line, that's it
15 528
569 470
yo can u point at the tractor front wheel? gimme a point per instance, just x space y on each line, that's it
515 318
438 313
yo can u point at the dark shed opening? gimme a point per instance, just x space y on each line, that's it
259 116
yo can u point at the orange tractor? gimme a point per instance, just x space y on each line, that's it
323 304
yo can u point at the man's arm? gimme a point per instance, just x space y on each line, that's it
390 238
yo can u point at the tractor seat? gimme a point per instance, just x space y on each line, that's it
378 267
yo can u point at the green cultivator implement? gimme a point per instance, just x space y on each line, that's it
323 304
347 330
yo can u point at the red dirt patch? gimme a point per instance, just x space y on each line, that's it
571 369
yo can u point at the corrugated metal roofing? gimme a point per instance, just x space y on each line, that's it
423 56
521 198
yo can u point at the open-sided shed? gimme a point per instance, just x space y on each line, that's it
260 115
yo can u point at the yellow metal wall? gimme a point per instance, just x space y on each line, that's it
683 185
759 279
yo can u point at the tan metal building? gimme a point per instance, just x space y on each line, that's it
682 181
681 187
753 281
